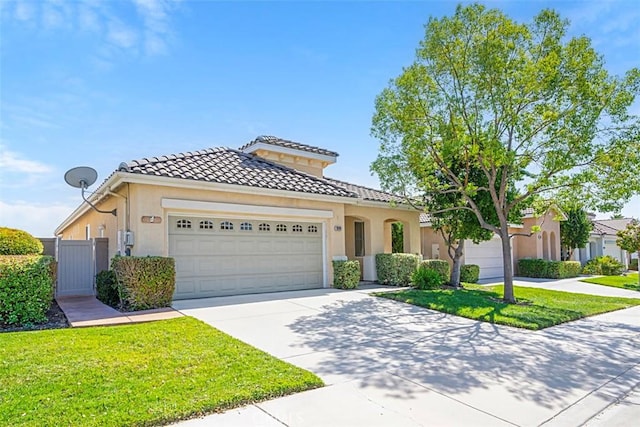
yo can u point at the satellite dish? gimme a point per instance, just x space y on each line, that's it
81 177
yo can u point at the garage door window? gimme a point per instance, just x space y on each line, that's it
312 229
297 228
183 223
246 226
281 227
264 227
206 225
226 225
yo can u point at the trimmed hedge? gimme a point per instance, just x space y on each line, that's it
546 269
26 288
440 266
469 273
18 242
605 265
427 278
145 282
346 274
396 269
107 288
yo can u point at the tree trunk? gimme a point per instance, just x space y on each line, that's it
509 296
457 264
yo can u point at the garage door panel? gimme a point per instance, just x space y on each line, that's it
487 255
216 262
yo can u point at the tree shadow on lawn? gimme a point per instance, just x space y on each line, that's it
457 356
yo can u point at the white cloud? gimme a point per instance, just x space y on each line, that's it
39 219
24 11
121 35
11 161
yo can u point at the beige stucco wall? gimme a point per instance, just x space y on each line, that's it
549 235
304 164
152 238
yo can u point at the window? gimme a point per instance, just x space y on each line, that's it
183 223
281 227
312 229
206 225
297 228
264 227
246 226
359 238
226 225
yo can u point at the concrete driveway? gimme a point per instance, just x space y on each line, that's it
388 363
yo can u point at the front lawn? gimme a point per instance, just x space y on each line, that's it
624 282
536 308
150 373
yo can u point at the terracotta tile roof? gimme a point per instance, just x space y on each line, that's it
367 193
424 218
609 226
274 140
228 166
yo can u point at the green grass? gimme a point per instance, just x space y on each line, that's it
624 282
141 374
536 308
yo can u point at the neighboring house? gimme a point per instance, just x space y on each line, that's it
257 219
604 241
488 255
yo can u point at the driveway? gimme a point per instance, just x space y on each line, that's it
388 363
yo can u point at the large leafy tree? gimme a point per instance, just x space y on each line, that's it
534 110
629 240
575 231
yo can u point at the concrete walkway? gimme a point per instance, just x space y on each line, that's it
89 311
568 285
388 363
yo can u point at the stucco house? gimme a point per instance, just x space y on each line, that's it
604 241
255 219
544 244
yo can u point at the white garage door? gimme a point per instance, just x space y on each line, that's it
218 256
487 255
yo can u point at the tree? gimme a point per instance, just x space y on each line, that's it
536 112
629 240
575 231
397 237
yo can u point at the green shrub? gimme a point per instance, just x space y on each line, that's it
633 265
145 282
604 265
470 273
107 288
396 269
346 274
26 288
547 269
18 242
427 278
440 266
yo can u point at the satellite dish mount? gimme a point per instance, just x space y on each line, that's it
82 177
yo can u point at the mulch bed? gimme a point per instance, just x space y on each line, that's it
55 320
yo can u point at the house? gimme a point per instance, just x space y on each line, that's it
604 241
544 244
259 218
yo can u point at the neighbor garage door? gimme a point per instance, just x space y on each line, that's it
487 255
220 256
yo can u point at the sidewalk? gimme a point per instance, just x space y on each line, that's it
89 311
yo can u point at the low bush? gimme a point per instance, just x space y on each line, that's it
346 274
470 273
107 288
396 269
547 269
145 282
427 278
26 288
18 242
633 265
440 266
604 265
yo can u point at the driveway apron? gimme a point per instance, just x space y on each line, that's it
390 363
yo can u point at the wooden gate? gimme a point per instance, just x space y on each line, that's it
78 263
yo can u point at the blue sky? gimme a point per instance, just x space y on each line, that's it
100 82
